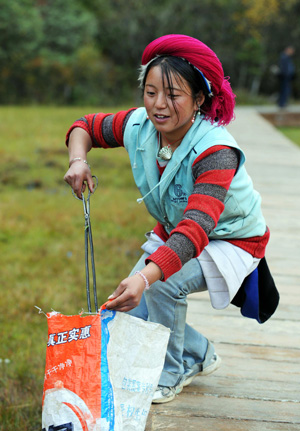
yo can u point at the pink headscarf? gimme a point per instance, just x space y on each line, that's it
222 102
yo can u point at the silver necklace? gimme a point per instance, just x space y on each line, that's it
165 153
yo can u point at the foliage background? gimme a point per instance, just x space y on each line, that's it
88 51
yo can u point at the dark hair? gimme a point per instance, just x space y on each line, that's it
180 69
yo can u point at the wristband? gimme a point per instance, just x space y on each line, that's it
147 285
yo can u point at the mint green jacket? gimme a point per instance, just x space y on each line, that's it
166 197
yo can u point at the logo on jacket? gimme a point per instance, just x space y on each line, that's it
181 196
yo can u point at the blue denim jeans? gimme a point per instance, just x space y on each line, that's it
166 303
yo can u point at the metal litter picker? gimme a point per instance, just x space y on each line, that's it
88 244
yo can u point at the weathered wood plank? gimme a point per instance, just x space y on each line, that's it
208 406
245 388
272 333
283 324
174 423
259 371
286 309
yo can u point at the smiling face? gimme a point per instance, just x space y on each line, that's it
169 105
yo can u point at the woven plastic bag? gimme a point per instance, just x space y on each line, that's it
101 371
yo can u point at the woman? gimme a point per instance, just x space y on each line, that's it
210 232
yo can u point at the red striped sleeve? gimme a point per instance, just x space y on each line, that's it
206 204
209 151
117 125
91 123
194 232
166 259
220 177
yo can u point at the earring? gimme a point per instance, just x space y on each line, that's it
195 114
194 117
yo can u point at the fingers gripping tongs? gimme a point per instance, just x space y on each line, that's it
88 240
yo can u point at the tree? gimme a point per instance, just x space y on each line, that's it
20 39
39 42
88 51
67 28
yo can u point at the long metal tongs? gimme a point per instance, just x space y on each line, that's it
88 240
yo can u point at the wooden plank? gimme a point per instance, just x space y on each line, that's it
244 387
253 372
172 422
229 326
285 310
262 357
250 368
187 404
273 333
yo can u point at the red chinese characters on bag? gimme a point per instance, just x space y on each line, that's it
72 387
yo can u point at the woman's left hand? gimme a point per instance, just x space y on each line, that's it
127 295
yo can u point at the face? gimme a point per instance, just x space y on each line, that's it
159 102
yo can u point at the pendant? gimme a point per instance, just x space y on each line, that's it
165 153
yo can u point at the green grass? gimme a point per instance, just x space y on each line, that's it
293 133
246 98
42 244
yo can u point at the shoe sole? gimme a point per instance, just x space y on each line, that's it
167 399
208 370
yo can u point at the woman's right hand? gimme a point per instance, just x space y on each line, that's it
78 176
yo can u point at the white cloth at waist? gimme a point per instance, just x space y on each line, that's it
224 266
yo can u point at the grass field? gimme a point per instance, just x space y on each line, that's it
293 133
42 245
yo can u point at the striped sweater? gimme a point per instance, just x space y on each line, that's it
213 170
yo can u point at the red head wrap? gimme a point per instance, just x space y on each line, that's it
221 105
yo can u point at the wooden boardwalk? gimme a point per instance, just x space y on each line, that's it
257 387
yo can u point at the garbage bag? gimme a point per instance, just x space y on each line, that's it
101 371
